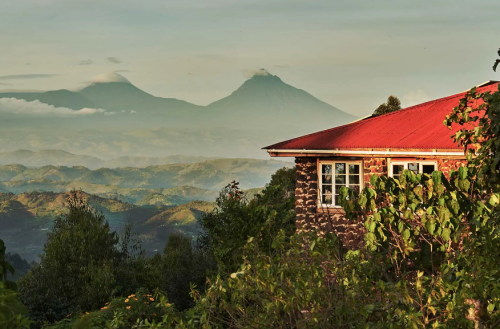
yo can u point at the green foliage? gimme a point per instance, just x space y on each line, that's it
480 141
140 310
235 219
20 265
76 271
4 265
302 284
393 104
438 238
12 311
181 265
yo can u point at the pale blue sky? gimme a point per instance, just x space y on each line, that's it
351 54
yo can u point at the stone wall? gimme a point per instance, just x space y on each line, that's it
323 220
447 165
377 166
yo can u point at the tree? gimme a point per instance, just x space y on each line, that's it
76 270
235 219
5 267
12 311
393 104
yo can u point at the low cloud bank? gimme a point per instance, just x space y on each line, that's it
36 108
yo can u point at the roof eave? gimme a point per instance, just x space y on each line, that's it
366 152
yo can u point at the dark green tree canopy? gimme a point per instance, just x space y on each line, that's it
393 104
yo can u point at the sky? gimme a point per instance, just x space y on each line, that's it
350 54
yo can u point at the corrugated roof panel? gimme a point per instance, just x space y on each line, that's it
417 127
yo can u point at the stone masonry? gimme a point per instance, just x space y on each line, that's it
310 216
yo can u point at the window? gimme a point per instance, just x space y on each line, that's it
420 167
333 176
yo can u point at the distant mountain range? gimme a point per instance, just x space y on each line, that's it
62 158
264 102
208 175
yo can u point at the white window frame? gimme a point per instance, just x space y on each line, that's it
405 165
320 179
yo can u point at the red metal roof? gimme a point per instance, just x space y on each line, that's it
416 127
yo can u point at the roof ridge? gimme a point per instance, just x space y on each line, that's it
359 121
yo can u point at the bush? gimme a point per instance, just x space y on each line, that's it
235 219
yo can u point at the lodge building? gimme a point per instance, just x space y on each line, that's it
413 138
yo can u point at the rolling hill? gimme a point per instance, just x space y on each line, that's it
26 218
209 175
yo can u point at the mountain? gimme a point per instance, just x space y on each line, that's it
65 98
114 92
47 157
265 100
262 111
62 158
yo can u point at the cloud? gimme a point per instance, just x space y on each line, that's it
414 97
251 73
281 66
5 84
27 76
109 77
85 62
109 113
132 112
118 71
113 60
37 108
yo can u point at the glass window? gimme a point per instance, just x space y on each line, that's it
413 167
344 174
397 170
417 167
428 168
326 186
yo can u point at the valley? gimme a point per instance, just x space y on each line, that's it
156 200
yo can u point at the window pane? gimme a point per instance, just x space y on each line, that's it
340 168
353 179
413 167
327 189
397 170
337 200
327 199
354 187
427 169
337 188
327 169
340 179
353 169
327 179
